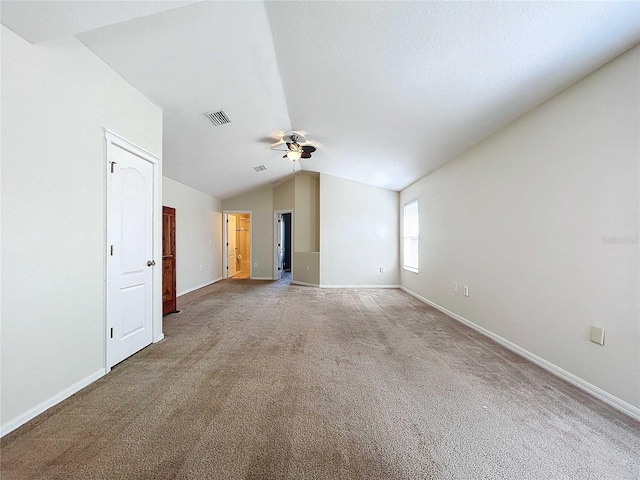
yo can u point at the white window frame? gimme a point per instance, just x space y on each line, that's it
410 236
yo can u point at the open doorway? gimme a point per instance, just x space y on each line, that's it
283 243
238 244
286 218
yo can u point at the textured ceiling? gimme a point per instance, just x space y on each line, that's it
392 90
47 20
396 89
199 59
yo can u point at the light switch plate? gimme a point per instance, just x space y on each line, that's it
597 335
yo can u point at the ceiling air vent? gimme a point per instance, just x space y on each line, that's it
259 168
218 118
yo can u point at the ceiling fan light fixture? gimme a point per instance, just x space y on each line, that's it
294 155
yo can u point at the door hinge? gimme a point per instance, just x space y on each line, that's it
111 332
112 166
111 250
227 244
227 267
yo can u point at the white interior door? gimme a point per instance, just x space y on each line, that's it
130 257
231 241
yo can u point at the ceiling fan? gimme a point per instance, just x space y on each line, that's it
297 145
297 151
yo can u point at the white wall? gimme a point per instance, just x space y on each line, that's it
57 98
303 261
198 235
523 219
306 235
284 195
358 233
260 202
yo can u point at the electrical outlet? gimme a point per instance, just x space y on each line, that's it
466 291
200 267
381 269
307 268
455 287
255 264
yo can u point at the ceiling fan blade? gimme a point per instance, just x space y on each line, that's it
274 136
285 156
277 144
289 145
308 148
305 155
272 142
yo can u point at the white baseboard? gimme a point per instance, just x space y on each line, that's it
159 338
50 402
359 286
615 402
261 278
188 290
304 284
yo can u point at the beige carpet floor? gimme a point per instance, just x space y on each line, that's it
264 380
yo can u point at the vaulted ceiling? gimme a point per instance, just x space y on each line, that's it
389 91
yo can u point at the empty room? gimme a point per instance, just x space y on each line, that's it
320 240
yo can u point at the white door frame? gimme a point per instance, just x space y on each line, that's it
275 240
113 140
225 247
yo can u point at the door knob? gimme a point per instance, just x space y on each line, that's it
151 263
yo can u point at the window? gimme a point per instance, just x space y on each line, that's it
410 234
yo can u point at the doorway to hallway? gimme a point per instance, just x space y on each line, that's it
286 218
283 243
